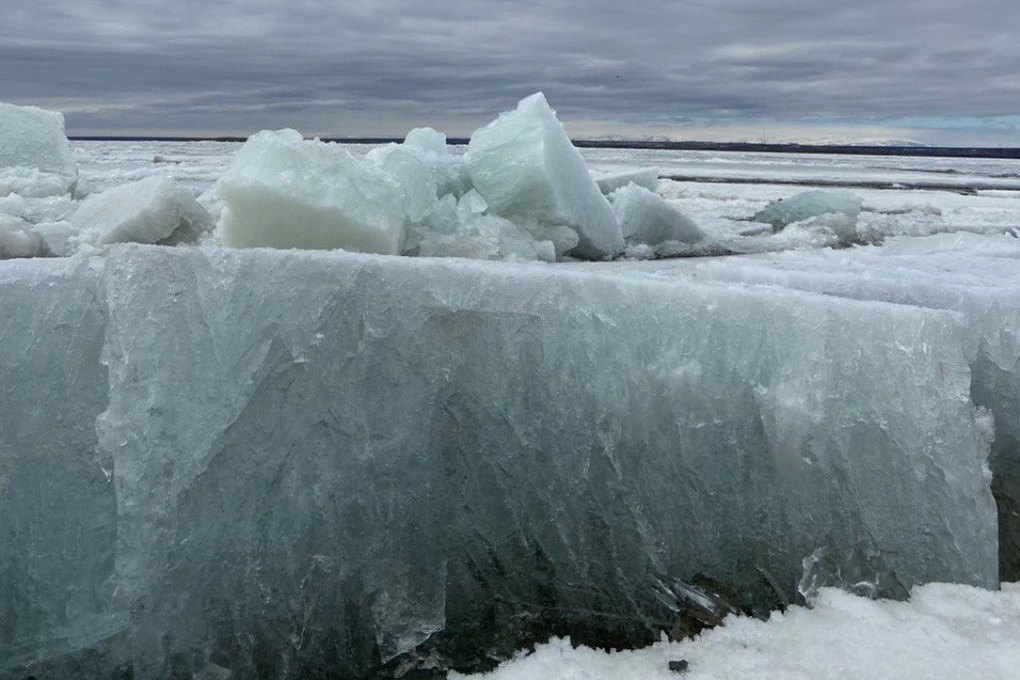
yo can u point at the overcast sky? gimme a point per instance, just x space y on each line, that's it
943 71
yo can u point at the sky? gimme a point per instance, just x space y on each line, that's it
931 71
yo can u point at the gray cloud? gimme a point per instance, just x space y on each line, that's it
362 67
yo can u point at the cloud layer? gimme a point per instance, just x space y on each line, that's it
941 68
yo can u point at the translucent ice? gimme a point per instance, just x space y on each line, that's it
525 167
285 192
810 204
35 157
308 461
17 239
151 210
608 182
645 217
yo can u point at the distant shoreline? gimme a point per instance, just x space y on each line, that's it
745 147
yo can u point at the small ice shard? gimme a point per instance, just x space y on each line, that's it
35 157
645 217
282 191
525 167
810 204
608 182
151 210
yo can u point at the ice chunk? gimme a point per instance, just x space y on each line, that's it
608 182
466 231
810 204
285 192
417 181
646 218
320 460
35 157
151 210
428 140
526 168
17 239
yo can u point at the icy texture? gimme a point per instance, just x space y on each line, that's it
954 272
646 218
945 631
17 239
35 158
608 182
58 523
427 140
285 192
810 204
307 463
525 167
151 210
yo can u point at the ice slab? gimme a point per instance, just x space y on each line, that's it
645 217
320 460
35 157
525 167
974 276
285 192
810 204
151 210
608 182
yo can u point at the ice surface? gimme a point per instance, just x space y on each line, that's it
428 140
151 210
17 239
525 167
35 158
945 631
974 276
309 462
285 192
646 218
810 204
608 182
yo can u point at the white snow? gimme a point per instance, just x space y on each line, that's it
35 157
944 631
151 210
525 167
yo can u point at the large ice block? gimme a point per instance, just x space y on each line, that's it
974 276
525 167
152 210
306 463
35 157
285 192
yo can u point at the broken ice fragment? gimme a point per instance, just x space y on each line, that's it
151 210
526 168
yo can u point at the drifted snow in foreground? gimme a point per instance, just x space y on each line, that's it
944 631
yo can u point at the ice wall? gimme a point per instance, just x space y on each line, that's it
953 272
35 158
309 462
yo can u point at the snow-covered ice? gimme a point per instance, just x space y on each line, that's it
944 631
151 210
610 181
